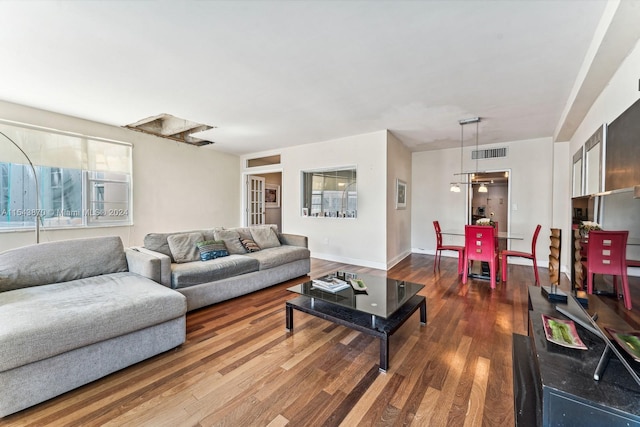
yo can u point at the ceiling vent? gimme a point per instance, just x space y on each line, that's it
171 127
490 153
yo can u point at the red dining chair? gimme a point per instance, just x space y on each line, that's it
528 255
608 255
440 247
480 245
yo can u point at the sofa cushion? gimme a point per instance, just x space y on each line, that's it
61 261
195 273
274 257
212 249
231 239
157 242
183 246
265 237
245 232
43 321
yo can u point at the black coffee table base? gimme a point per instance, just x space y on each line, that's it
363 322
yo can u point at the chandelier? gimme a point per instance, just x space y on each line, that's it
455 186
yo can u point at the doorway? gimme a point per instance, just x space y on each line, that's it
264 199
492 200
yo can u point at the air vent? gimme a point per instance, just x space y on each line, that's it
490 153
171 127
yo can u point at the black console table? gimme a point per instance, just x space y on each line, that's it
554 385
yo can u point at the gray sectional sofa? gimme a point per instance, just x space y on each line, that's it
280 257
74 311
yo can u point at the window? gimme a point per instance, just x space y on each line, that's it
60 193
330 193
107 197
81 181
264 161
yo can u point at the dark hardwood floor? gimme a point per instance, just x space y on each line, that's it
239 367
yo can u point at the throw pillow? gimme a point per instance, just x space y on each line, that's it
183 246
250 245
231 239
212 249
265 237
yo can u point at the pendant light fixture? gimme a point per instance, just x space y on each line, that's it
483 187
455 186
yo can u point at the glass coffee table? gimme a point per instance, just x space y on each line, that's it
379 310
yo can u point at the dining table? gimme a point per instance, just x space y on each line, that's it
502 235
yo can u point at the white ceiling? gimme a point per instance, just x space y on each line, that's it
271 74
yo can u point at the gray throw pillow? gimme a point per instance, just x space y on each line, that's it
231 239
183 246
265 237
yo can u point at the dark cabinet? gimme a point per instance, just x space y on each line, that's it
554 385
623 150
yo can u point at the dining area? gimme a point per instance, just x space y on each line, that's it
486 244
600 258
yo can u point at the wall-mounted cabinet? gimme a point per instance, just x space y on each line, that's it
623 150
588 169
593 168
577 174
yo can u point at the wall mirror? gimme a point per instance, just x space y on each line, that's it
330 193
577 174
593 162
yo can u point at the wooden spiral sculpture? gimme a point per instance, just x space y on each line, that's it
554 256
578 277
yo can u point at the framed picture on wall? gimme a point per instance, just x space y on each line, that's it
401 194
272 196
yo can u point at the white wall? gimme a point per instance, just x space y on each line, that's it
531 164
398 220
175 186
561 201
432 171
361 240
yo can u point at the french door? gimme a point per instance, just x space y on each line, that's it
255 200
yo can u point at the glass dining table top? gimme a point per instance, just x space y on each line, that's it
501 234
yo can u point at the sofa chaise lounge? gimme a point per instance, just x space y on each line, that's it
74 311
275 258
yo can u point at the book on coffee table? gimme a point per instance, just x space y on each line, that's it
330 284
